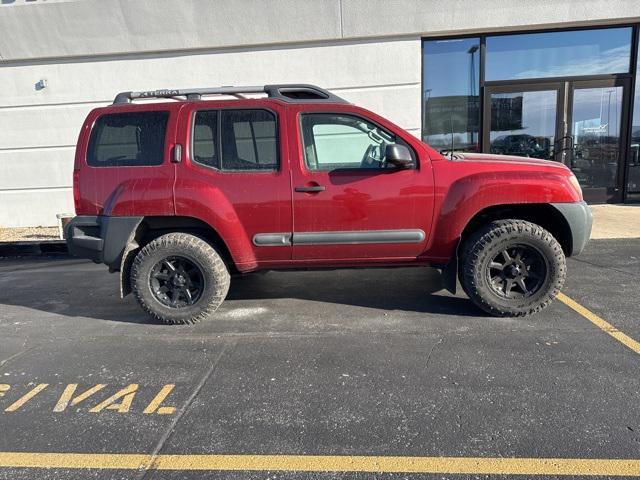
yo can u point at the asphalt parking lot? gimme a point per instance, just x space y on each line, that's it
378 373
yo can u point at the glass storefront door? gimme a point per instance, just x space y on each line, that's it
595 119
579 123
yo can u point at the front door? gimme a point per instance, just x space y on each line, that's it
348 204
578 123
595 130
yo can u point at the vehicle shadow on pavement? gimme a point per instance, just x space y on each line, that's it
403 289
63 286
80 289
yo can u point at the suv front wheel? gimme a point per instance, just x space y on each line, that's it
179 278
512 268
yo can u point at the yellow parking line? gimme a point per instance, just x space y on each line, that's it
73 460
320 463
600 323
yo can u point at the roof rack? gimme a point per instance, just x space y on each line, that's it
292 93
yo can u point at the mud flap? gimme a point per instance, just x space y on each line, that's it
125 267
450 272
450 275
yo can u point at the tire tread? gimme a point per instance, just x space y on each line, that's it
478 244
182 241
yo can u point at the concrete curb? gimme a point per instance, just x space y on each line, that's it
34 248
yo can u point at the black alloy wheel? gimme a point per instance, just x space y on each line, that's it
176 282
517 271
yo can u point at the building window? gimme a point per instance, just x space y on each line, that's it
451 89
633 179
558 54
523 123
128 140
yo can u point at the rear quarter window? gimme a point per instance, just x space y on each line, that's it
249 140
236 140
128 139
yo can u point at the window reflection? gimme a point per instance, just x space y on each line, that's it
558 54
596 135
451 93
523 123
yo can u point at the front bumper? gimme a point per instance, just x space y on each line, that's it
578 217
101 239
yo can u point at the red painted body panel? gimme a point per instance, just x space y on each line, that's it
464 188
439 197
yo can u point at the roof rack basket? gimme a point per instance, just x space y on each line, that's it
292 93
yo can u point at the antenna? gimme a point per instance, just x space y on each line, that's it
452 142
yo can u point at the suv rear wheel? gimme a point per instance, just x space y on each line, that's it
179 278
512 268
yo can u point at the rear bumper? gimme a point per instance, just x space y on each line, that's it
578 217
101 239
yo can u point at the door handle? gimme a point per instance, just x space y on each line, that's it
312 189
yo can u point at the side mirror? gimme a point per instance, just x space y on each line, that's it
398 155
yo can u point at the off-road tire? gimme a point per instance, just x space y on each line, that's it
199 252
481 248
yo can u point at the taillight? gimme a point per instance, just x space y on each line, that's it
76 190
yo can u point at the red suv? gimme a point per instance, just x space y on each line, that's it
180 194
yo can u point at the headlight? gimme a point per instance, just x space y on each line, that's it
576 185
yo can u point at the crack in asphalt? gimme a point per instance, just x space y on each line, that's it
582 260
15 355
217 336
433 347
167 434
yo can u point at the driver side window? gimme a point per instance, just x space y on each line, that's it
338 141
